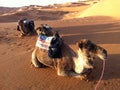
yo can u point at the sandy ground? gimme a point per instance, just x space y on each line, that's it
17 73
103 8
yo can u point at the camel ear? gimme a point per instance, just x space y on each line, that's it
83 43
79 44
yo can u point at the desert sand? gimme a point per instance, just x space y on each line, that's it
103 8
17 73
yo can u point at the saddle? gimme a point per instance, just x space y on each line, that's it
26 25
52 44
55 47
43 42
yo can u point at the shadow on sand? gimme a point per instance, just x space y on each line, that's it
100 34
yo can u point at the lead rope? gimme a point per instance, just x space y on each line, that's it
101 75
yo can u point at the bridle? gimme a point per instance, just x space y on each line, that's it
98 83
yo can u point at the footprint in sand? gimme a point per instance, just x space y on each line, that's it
19 44
3 53
5 39
29 49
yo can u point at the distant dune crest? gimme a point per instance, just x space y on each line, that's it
86 8
103 8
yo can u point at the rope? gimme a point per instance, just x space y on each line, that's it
101 75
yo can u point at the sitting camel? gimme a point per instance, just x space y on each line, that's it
77 63
26 27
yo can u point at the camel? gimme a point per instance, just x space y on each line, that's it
26 27
72 63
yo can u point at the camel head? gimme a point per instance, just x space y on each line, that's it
91 50
87 51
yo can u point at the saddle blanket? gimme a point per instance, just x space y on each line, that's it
43 42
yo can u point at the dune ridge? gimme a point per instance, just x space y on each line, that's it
103 8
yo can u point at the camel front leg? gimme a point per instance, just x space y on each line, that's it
62 72
71 74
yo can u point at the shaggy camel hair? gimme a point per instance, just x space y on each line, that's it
77 63
71 64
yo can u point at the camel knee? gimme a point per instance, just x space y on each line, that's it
35 61
61 73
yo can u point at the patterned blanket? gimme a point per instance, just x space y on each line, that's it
43 42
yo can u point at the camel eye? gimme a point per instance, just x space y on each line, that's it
89 57
80 45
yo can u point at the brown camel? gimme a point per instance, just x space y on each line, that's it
26 27
77 63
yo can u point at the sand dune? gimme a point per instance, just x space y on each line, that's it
51 12
103 8
16 71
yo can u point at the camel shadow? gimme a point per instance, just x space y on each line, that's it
101 34
111 68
